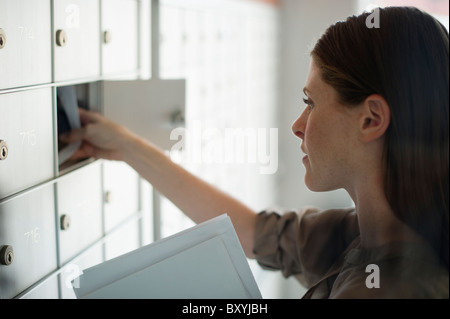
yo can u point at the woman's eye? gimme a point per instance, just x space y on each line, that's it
308 103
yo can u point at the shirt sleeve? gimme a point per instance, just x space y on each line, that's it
305 243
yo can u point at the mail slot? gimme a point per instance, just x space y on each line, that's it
79 210
27 225
26 132
25 44
121 193
68 99
119 39
76 39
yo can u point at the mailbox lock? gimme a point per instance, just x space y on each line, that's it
108 197
2 39
3 150
106 37
6 255
65 222
61 38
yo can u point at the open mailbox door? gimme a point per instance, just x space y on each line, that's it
149 108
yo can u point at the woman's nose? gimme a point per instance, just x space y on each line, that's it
298 127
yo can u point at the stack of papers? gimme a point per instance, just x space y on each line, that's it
205 261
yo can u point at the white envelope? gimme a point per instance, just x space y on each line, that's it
205 261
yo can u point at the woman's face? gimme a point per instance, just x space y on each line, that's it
328 133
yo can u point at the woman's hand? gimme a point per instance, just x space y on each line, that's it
101 137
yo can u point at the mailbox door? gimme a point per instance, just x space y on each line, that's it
121 191
79 210
119 40
26 135
27 224
76 39
25 43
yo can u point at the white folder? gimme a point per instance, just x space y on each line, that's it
205 261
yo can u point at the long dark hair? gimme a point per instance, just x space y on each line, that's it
406 60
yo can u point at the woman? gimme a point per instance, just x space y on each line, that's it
376 124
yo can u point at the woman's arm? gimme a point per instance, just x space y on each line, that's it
195 197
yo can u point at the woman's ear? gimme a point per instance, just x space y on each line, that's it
375 118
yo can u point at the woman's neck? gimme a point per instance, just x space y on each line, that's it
378 223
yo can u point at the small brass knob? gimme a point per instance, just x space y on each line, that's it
61 38
108 197
65 222
107 37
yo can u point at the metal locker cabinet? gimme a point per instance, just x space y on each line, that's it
76 35
25 43
27 240
26 138
119 37
79 212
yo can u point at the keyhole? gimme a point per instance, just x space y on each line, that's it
10 257
4 152
1 41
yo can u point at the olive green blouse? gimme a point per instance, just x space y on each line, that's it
322 249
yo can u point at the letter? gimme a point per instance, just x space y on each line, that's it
235 145
373 19
196 142
185 309
213 310
212 149
229 308
255 308
261 308
373 280
244 307
194 309
74 276
175 150
272 159
237 306
73 16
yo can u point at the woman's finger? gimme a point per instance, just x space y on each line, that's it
87 116
73 136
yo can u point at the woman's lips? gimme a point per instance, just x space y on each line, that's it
305 158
